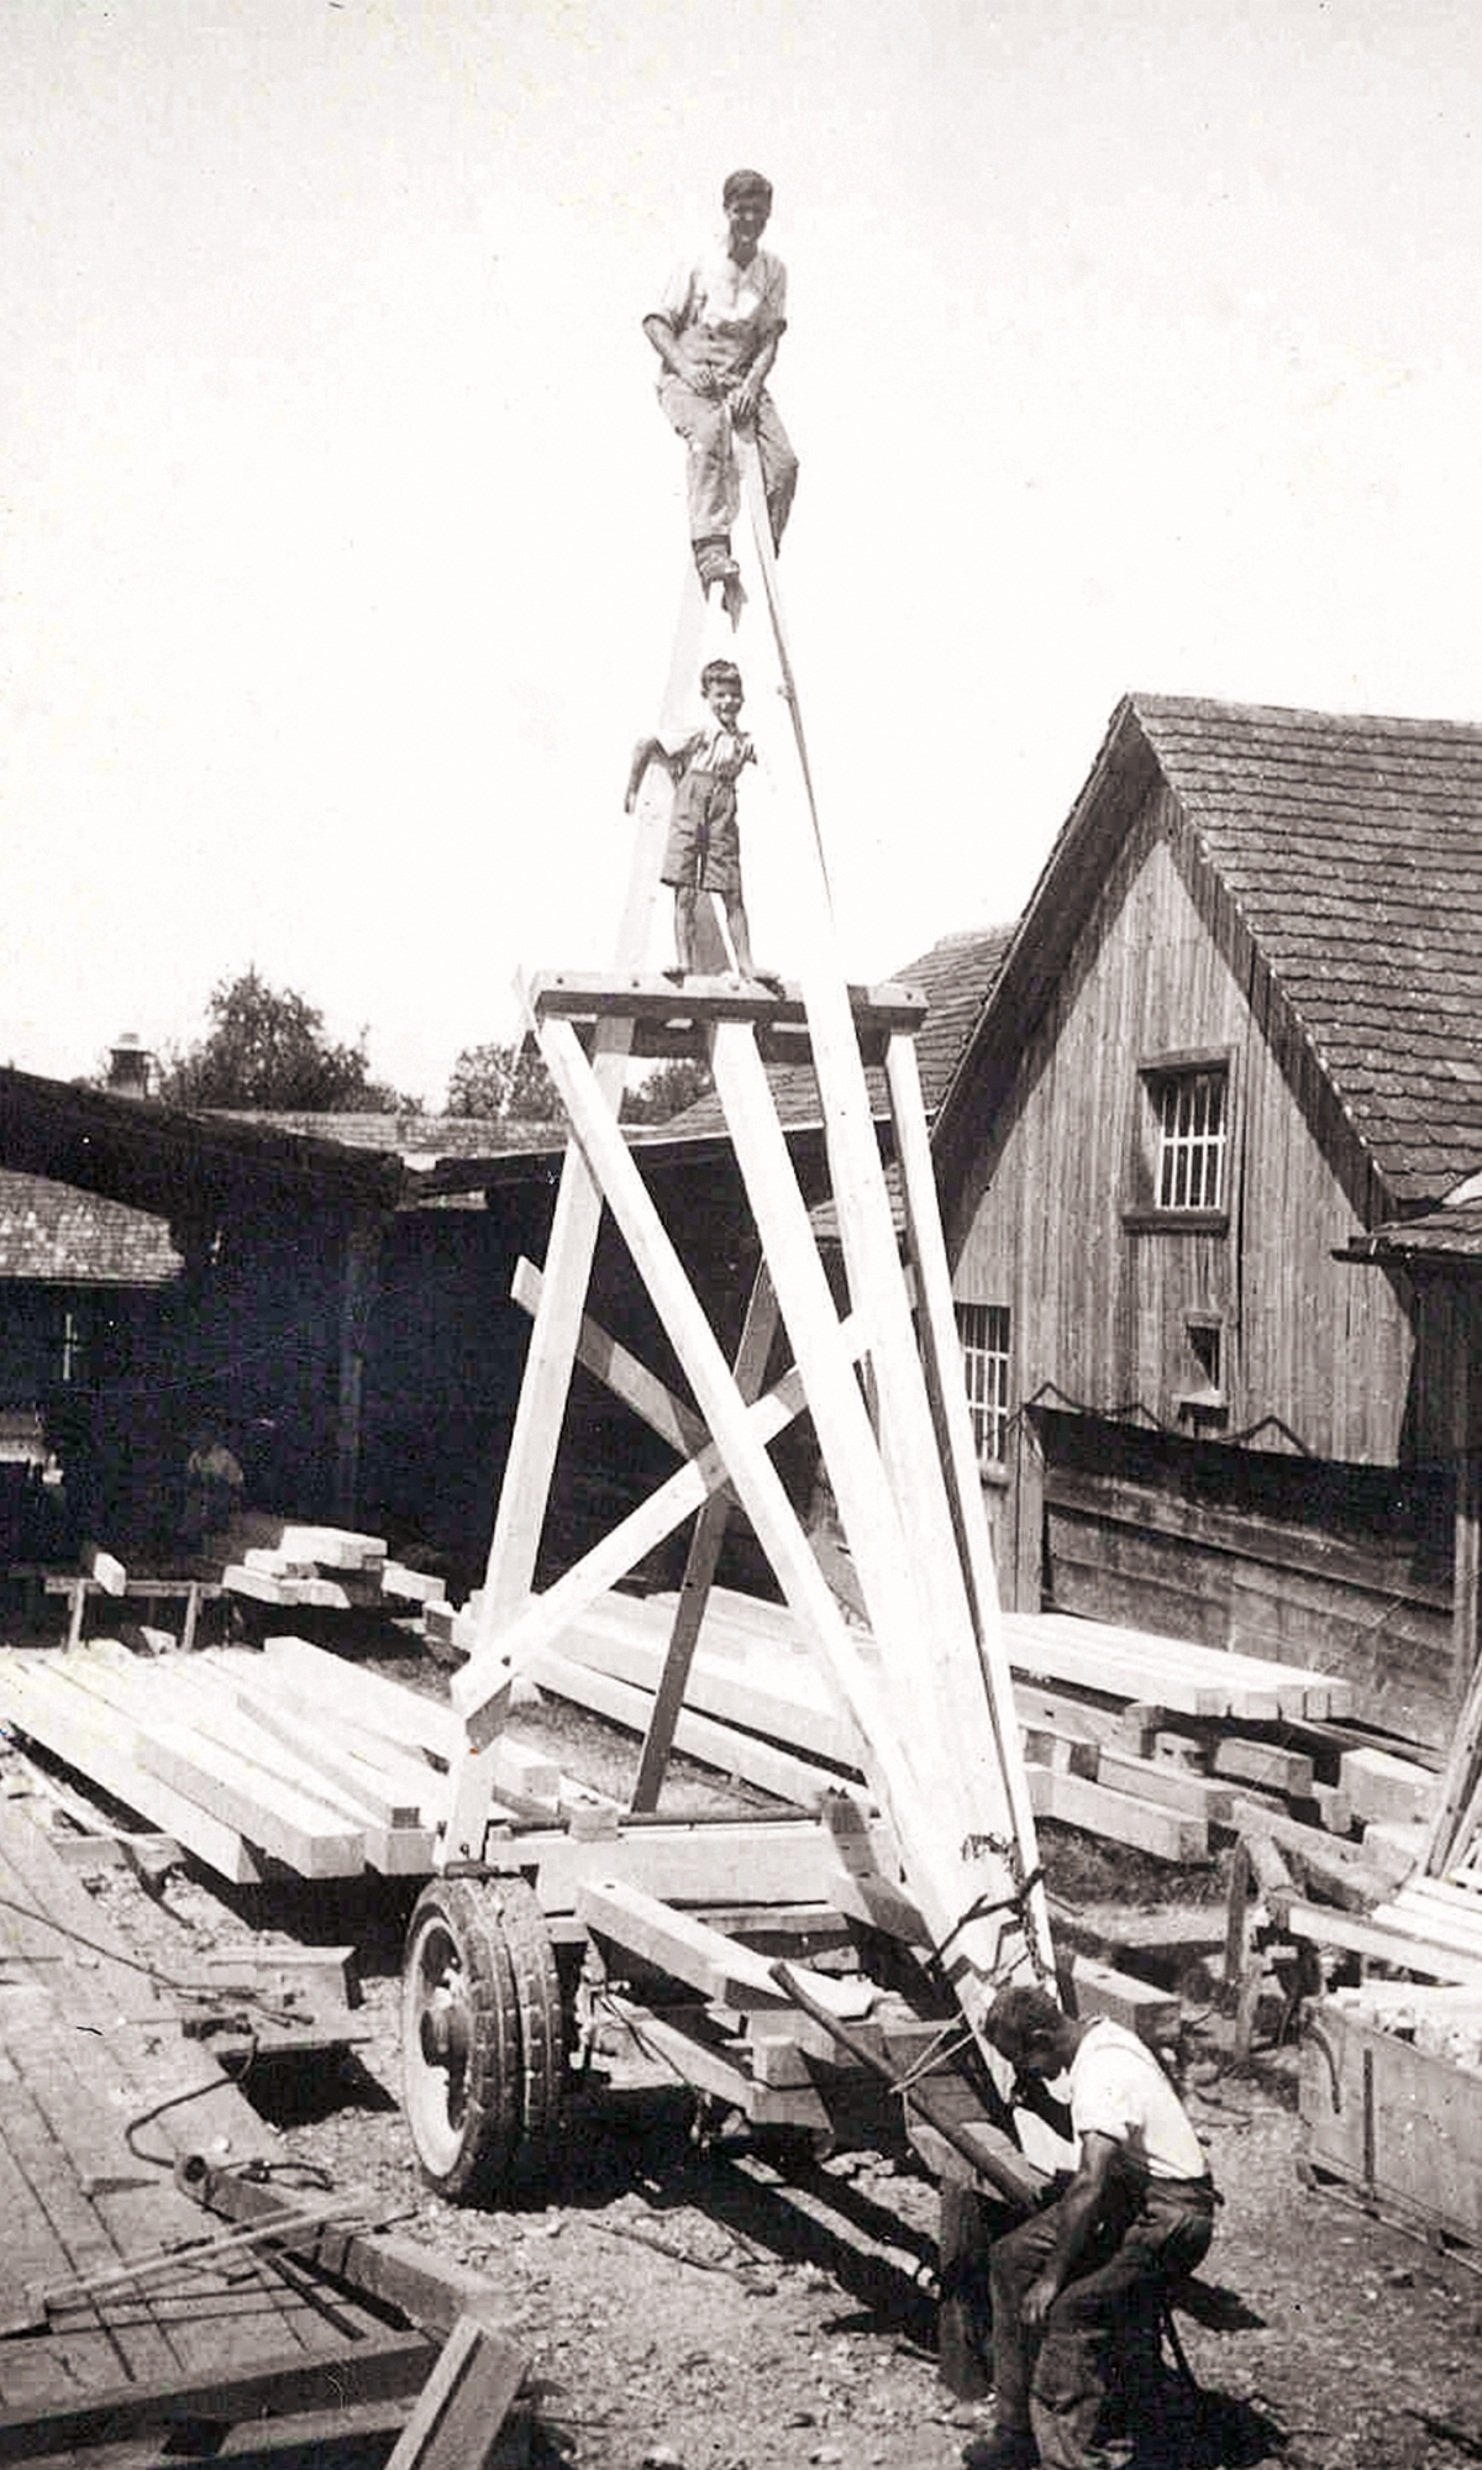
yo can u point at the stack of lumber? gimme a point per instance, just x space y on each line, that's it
1430 1930
329 1569
256 1762
1145 1741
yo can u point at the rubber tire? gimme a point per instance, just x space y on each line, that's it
543 2025
465 2132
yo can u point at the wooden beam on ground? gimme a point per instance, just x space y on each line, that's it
391 2363
387 1708
461 2409
77 1727
1171 1835
1173 1673
701 1737
421 2283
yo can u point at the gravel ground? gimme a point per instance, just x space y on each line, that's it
701 2302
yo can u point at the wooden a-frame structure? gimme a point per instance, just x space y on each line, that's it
928 1683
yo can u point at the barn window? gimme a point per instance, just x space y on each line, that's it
984 1332
1180 1168
1191 1140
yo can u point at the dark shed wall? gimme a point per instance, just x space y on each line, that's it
446 1353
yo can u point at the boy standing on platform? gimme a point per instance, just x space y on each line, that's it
703 852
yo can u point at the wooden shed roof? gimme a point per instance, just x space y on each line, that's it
1351 849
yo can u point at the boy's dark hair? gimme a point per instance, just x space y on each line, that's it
1019 2017
746 184
715 669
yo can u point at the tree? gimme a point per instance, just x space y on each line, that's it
266 1049
504 1083
668 1090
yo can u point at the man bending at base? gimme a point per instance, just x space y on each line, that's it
1137 2215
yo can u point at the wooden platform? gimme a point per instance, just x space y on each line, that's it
667 1018
90 2050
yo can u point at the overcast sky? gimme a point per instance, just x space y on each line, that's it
1133 344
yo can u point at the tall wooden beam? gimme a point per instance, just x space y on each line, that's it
758 1332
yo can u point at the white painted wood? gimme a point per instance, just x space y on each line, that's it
101 1745
948 1873
619 1370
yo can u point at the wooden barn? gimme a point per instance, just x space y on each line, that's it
1236 1038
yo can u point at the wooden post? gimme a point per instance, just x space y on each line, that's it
357 1298
758 1332
1027 1511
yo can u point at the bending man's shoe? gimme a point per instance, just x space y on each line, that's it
1003 2448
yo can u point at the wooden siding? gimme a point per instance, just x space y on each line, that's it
1318 1354
1348 1567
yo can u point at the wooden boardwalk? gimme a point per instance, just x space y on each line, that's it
89 2048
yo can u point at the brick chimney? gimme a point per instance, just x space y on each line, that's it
129 1067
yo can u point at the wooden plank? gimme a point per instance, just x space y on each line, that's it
1384 1787
388 1708
422 2283
713 1744
78 1729
401 1791
1266 1763
461 2409
1172 1835
578 995
195 1691
309 1835
1173 1788
795 1706
927 1733
942 1356
1099 1989
1324 1926
692 2049
1241 1686
787 1861
387 2364
189 1732
722 1969
619 1370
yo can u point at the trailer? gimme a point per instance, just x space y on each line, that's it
782 1965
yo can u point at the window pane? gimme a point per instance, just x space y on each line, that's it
984 1332
1191 1140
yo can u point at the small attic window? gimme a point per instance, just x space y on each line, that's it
1180 1164
1202 1402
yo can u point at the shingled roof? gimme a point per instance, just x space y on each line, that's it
63 1237
1351 849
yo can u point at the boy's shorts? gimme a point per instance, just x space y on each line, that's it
704 845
